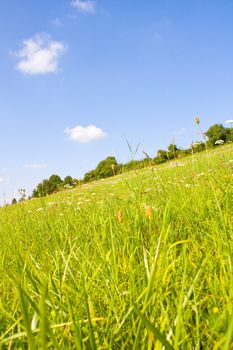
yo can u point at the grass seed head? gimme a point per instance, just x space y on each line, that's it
197 120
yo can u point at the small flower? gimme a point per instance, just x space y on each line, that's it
200 174
148 190
149 212
215 310
120 216
219 142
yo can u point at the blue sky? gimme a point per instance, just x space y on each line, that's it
135 70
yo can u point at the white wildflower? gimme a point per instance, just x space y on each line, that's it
40 209
219 142
149 189
200 174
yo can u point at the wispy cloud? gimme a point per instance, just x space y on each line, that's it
85 134
87 6
40 55
35 166
56 22
230 121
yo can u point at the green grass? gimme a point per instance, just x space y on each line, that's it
73 277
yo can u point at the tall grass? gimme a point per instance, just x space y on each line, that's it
74 276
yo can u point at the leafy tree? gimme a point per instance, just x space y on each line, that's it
55 180
217 132
22 193
197 146
133 165
106 168
35 193
90 176
14 201
162 155
172 151
172 148
68 180
47 186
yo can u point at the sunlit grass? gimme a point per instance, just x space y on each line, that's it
139 261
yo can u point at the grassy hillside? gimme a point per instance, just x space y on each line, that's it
138 261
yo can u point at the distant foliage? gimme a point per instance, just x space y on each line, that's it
14 201
215 136
216 133
162 156
106 168
68 180
48 186
22 193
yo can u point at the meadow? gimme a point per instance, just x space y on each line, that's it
142 260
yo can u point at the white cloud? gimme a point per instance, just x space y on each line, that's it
56 22
39 55
84 5
35 166
85 134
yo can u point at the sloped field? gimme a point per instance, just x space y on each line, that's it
138 261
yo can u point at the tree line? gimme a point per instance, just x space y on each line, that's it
216 135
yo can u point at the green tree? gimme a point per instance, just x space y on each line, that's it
14 201
55 180
68 180
47 186
217 132
22 193
90 176
162 156
197 146
107 167
173 151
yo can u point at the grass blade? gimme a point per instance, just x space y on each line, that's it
157 334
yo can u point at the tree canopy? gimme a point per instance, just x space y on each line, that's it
217 132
